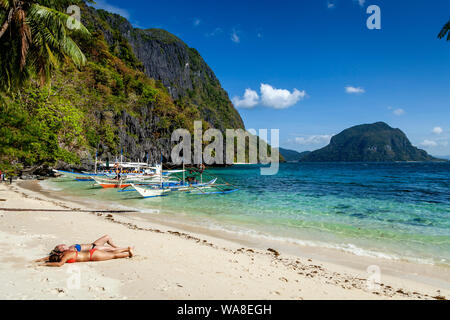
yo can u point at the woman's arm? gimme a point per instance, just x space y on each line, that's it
64 258
53 264
42 259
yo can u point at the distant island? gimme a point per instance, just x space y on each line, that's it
377 142
292 155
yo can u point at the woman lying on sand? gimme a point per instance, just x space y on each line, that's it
59 259
98 244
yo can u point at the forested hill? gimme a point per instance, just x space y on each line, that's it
377 142
136 87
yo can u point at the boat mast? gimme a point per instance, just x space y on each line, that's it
161 172
95 161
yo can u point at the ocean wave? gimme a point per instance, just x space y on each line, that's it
345 247
47 185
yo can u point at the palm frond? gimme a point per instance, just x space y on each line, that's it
71 49
50 32
445 30
53 18
4 4
43 35
51 56
38 39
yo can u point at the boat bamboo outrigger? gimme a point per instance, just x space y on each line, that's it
188 184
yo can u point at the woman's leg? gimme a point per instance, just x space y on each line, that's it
103 240
99 255
109 249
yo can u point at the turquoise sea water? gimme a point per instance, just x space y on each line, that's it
391 210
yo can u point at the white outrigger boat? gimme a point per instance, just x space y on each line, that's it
131 169
151 191
164 188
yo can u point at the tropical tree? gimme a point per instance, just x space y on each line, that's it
34 38
445 30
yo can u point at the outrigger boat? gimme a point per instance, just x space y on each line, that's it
150 191
191 186
108 183
159 177
121 183
127 170
77 175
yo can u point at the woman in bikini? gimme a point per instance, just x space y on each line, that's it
57 259
99 244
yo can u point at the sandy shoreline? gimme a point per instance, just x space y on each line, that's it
171 263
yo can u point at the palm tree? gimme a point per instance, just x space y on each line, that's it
445 30
34 38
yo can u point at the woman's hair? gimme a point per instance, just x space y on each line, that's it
55 256
58 248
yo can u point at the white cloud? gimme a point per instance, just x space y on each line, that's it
313 140
197 22
352 90
250 99
280 98
398 112
330 5
101 4
235 36
429 143
437 130
270 97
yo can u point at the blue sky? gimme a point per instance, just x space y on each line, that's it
312 67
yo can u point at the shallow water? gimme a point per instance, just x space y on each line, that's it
389 210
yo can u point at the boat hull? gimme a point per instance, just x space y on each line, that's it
84 179
110 183
114 186
157 191
151 193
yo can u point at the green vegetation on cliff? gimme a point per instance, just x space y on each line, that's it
108 104
78 111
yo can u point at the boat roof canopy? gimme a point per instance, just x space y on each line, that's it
128 165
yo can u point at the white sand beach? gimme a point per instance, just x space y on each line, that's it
171 263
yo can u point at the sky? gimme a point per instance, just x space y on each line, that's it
313 68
